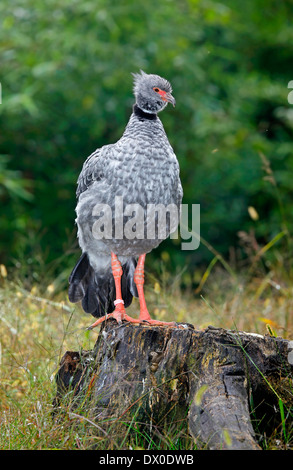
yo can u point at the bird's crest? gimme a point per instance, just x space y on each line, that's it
156 80
137 79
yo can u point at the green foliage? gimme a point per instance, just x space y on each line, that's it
67 89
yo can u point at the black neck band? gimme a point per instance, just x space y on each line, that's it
142 115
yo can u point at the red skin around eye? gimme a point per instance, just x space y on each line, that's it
161 93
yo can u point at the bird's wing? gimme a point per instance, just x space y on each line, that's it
93 169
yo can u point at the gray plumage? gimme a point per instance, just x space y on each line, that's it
140 168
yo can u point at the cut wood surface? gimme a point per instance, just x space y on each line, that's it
220 383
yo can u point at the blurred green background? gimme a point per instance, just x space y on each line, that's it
67 89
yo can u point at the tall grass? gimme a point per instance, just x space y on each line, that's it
37 328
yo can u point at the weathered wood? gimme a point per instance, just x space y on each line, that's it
160 375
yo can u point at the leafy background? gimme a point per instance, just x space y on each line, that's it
67 89
65 73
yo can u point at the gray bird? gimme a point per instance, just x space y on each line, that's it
119 191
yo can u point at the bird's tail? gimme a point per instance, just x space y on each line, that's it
97 290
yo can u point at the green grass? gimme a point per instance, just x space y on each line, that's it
39 325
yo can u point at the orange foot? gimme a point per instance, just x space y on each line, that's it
144 317
117 315
120 315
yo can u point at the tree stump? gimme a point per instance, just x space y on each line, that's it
216 382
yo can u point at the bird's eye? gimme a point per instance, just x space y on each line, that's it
156 89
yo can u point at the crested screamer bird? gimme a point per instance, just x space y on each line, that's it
119 193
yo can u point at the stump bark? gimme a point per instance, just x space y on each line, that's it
218 383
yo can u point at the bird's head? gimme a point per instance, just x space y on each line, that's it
152 92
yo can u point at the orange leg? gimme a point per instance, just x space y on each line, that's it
139 281
117 274
144 315
119 312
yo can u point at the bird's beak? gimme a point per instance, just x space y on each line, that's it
168 97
